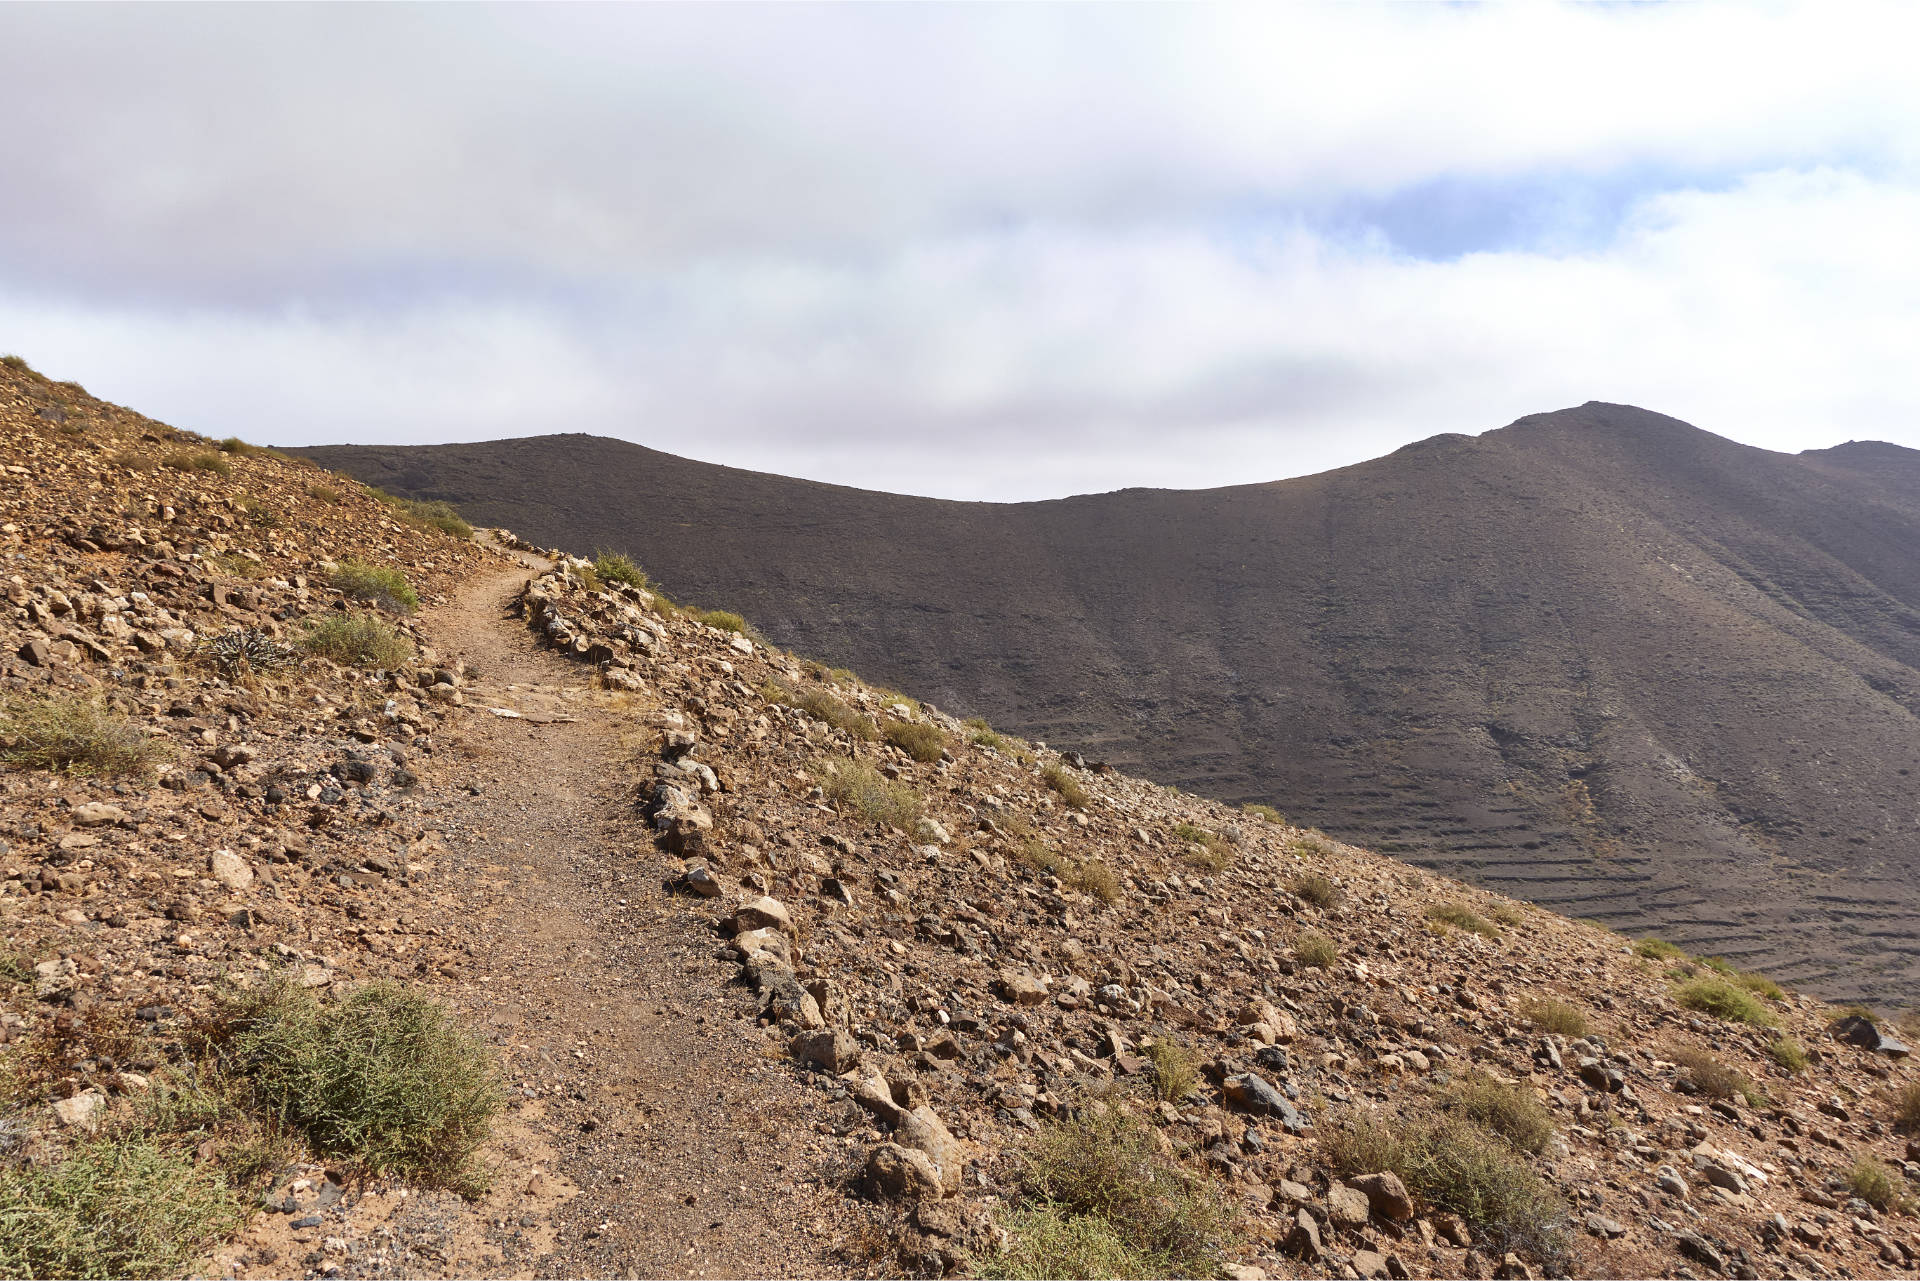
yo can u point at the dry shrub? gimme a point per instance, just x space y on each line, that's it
1061 780
924 743
855 786
1557 1017
70 733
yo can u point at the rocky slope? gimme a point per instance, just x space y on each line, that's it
1598 659
886 949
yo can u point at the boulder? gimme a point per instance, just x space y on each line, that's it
832 1050
764 913
1386 1194
1347 1208
902 1174
1868 1035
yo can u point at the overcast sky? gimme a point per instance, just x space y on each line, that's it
974 251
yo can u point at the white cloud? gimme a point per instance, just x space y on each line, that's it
976 251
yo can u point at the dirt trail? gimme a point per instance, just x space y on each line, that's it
693 1152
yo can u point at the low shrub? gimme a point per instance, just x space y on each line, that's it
16 363
382 1077
725 620
1457 1165
114 1206
1173 1069
1723 1000
425 513
1316 951
853 785
1654 949
618 567
323 493
924 743
1511 1111
981 734
1266 812
1709 1075
824 706
242 651
1096 880
1906 1107
380 585
1098 1181
1557 1017
1789 1054
1318 890
132 460
1203 849
1506 914
1061 780
66 732
180 460
1457 914
234 445
357 640
1874 1183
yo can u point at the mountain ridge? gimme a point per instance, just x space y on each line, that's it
1597 657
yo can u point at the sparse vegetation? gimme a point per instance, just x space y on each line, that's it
115 1206
1457 914
1791 1055
1203 849
1096 880
982 735
241 651
323 493
1511 1111
924 743
1316 951
823 705
180 460
1266 812
425 513
18 364
1174 1070
382 1077
356 640
132 460
1457 1165
70 733
1723 1000
618 567
380 585
1102 1201
1874 1183
725 620
1318 890
1906 1107
1557 1017
234 445
854 785
1506 914
1710 1076
1061 780
1654 949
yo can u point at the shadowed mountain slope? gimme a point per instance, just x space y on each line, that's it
1598 658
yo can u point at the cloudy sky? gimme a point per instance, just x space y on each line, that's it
981 251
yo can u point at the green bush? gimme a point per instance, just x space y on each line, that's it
113 1207
1457 1165
725 620
1557 1017
1792 1056
66 732
381 1077
853 785
923 743
1460 916
1203 849
618 567
1174 1070
426 514
1096 880
1654 949
1109 1204
183 461
1874 1183
1511 1111
381 585
1266 812
1061 780
981 734
1317 890
1316 951
234 445
1710 1076
824 706
16 363
356 640
1723 1000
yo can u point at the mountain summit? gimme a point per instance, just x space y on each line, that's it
1598 658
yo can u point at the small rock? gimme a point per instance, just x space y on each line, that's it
1386 1194
230 870
833 1050
83 1111
764 913
98 814
902 1174
1346 1207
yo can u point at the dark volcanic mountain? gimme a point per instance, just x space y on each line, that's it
1598 658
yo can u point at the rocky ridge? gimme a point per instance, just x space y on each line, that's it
953 979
